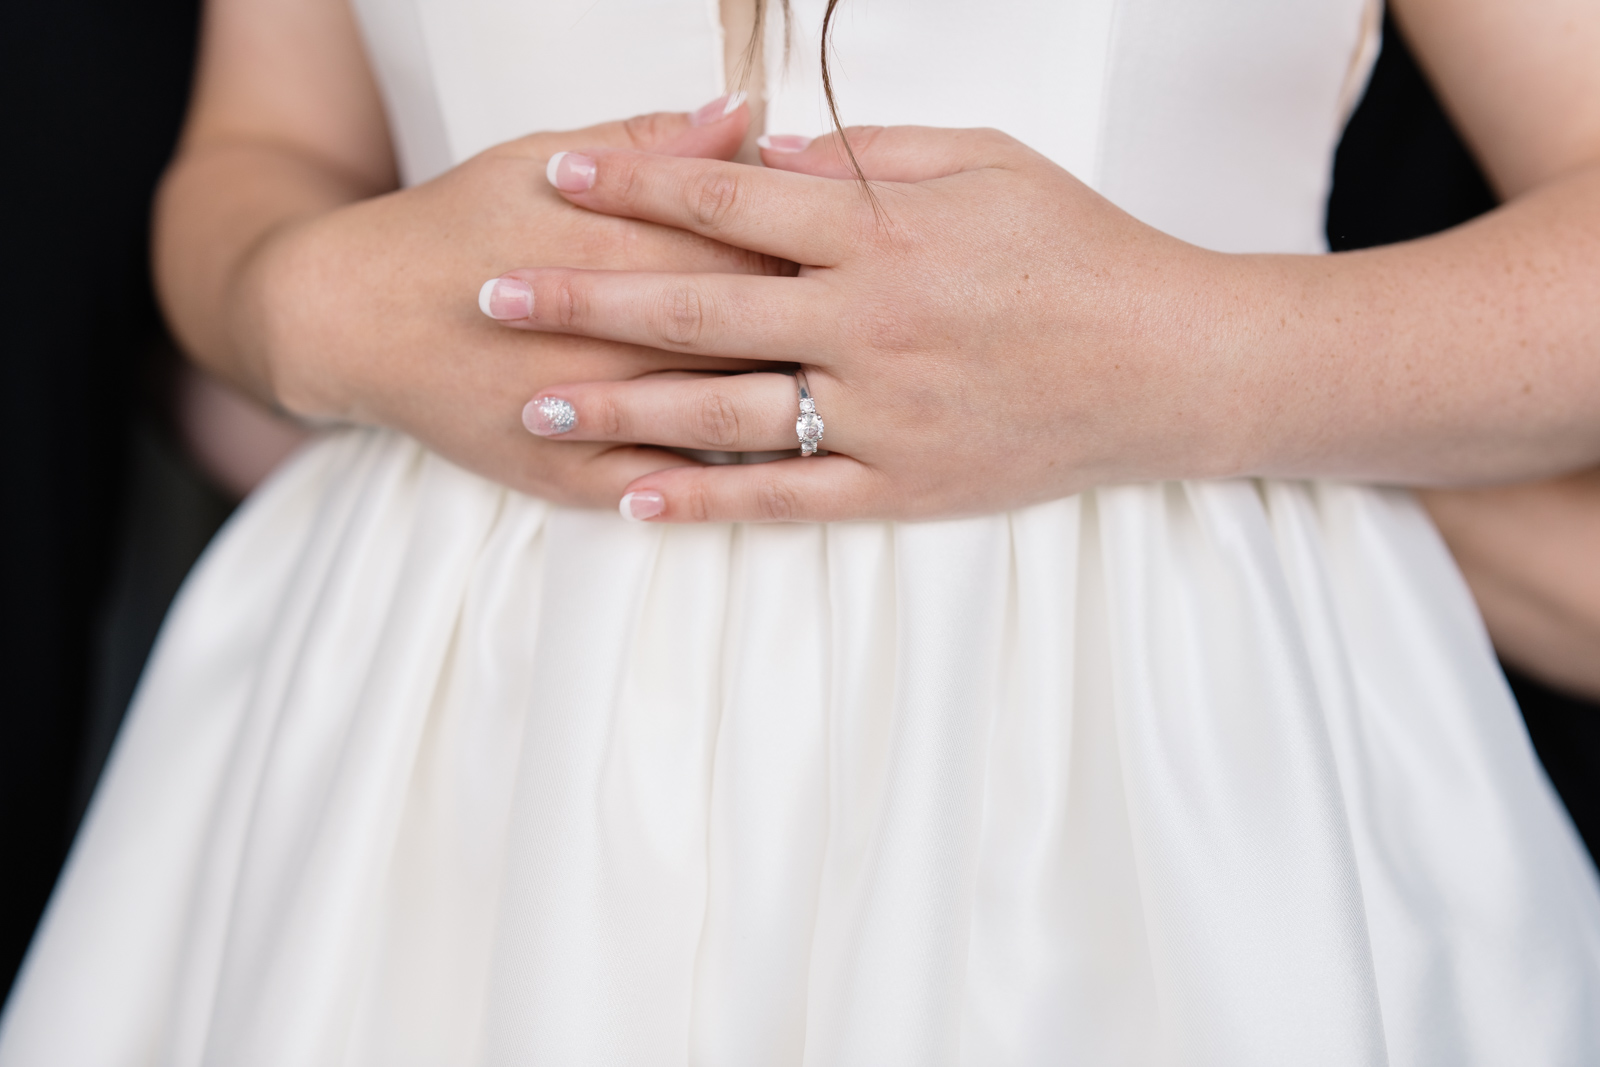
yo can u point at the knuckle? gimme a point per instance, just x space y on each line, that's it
681 317
775 502
621 176
862 138
643 131
696 504
713 198
1001 147
993 135
717 421
566 301
606 416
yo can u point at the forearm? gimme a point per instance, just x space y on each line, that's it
1471 357
219 207
285 124
1532 556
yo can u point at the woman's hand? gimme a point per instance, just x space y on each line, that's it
288 267
370 313
1000 334
983 332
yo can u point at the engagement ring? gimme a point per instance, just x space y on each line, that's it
808 427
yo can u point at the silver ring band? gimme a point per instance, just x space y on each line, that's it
808 427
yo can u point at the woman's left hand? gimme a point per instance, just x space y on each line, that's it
983 332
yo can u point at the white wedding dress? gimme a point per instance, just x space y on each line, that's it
424 771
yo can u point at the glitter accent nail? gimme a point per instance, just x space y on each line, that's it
549 416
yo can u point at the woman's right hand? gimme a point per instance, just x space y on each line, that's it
289 268
369 313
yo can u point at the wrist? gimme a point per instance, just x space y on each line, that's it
1226 388
282 323
1281 396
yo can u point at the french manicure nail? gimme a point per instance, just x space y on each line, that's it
646 504
549 416
783 142
570 172
506 298
718 109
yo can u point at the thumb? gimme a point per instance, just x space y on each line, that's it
889 153
713 131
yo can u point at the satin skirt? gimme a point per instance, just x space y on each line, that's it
424 771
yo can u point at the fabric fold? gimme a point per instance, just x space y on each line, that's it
1179 773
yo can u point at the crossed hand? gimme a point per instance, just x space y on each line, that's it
979 329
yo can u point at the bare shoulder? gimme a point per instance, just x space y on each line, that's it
1520 78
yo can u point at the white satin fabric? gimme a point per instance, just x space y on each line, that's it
427 772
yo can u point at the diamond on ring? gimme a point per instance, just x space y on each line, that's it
808 427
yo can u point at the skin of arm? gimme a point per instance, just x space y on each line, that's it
290 266
285 124
1471 357
1531 554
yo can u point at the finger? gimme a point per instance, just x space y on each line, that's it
792 216
889 153
598 478
818 489
713 131
562 358
728 315
724 413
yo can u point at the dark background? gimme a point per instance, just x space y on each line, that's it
102 515
93 94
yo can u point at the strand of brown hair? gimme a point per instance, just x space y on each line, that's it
833 105
747 64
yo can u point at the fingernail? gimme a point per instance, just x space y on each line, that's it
506 298
783 142
570 172
549 416
636 507
718 109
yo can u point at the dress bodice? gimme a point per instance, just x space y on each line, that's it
1214 120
